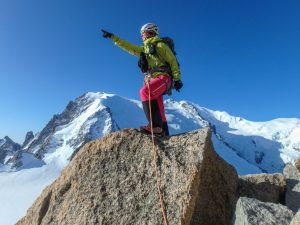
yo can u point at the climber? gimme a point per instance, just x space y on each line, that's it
160 67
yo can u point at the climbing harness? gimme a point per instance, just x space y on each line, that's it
154 151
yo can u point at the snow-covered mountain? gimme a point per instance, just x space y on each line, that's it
251 147
83 120
265 145
13 158
7 149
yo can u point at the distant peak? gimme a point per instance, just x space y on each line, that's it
6 138
28 138
9 141
97 95
29 133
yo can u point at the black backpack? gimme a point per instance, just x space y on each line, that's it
170 43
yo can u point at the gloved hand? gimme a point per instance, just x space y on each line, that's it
106 34
178 85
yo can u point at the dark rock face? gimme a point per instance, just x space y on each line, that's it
96 128
40 144
71 111
15 161
45 139
7 148
112 181
292 198
28 138
264 187
251 211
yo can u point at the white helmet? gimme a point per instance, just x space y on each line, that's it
150 27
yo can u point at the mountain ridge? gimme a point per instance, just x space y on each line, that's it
251 147
264 145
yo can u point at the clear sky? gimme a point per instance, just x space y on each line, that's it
242 57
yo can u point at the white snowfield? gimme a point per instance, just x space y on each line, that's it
251 147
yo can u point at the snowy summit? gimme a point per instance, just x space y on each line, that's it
251 147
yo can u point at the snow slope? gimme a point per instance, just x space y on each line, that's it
251 147
265 146
18 190
268 145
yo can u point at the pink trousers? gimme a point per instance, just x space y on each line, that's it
158 86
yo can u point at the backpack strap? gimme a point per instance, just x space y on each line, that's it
153 51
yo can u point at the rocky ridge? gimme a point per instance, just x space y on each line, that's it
111 181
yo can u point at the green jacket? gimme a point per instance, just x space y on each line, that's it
165 54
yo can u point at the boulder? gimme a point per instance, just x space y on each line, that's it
112 181
250 211
297 164
296 219
264 187
292 196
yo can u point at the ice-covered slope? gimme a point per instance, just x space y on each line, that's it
268 145
265 145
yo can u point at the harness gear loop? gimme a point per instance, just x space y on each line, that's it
154 151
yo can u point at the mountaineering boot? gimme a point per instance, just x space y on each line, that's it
165 128
155 115
157 131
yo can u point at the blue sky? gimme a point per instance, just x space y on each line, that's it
236 56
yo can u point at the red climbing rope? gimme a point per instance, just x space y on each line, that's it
154 151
